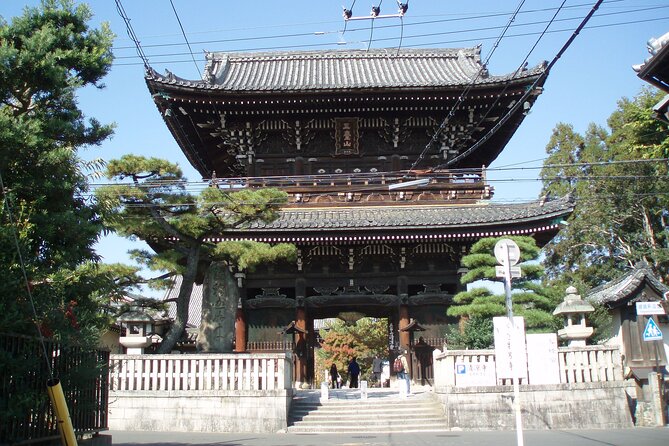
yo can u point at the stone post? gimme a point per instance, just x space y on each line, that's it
220 296
650 406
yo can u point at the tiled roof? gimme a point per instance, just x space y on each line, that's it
343 70
414 217
619 290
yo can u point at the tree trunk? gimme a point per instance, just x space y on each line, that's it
183 301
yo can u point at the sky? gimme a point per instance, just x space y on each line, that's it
583 87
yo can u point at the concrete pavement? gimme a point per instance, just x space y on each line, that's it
617 437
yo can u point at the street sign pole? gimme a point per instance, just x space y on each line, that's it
505 260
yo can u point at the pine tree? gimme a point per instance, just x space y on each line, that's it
46 56
531 299
155 206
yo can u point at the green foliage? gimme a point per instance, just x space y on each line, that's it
152 204
620 205
364 340
530 299
476 333
46 55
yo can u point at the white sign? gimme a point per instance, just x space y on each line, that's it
505 342
649 308
500 271
475 374
652 332
509 245
542 358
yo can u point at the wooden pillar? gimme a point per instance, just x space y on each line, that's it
301 347
403 294
404 321
240 331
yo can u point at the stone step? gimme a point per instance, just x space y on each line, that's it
382 413
406 426
344 420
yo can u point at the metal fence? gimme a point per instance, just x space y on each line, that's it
25 411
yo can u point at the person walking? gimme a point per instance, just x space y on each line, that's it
333 376
401 366
353 373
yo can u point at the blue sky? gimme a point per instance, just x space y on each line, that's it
582 88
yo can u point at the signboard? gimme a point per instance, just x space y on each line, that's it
649 308
507 245
505 340
542 358
652 332
475 374
515 271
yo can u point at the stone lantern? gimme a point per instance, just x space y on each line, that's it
137 326
574 309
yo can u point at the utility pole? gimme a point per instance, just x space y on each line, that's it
507 254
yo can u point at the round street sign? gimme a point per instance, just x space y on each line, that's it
511 246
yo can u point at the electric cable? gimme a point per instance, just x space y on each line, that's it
190 50
529 91
311 33
131 33
468 88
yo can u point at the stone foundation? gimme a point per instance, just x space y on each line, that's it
200 411
600 405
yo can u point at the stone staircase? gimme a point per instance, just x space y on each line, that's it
383 411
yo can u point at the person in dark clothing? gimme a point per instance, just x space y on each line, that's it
353 373
333 376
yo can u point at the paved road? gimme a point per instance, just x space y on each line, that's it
621 437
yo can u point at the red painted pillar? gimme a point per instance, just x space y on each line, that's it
301 346
404 322
240 331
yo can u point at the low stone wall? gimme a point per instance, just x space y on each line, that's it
264 411
599 405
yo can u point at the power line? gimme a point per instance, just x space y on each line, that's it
425 44
131 33
463 95
458 19
529 91
190 50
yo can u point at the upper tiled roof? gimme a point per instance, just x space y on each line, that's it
343 70
403 218
655 69
619 290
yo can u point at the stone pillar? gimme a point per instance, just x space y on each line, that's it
220 296
650 406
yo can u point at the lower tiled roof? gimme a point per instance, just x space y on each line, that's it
414 217
620 290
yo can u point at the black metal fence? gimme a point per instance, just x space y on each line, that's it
25 410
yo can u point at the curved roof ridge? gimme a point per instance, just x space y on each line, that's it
617 290
344 54
332 70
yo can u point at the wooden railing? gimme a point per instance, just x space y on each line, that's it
595 363
25 411
269 371
270 346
